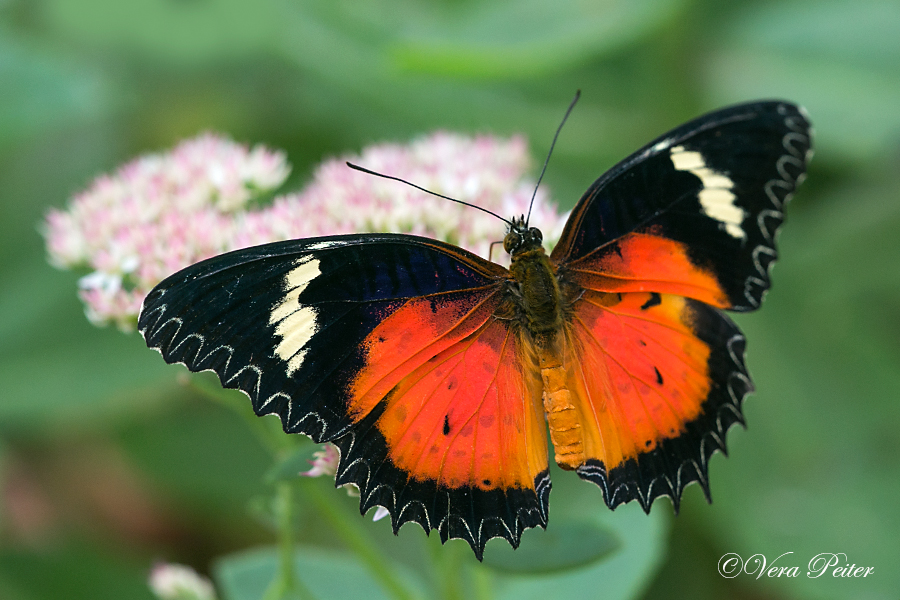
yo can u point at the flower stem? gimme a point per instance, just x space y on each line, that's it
481 581
357 541
447 566
286 535
286 586
274 441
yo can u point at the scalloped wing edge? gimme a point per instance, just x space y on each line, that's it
157 337
454 513
712 426
780 191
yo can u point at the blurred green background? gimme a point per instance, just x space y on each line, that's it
107 463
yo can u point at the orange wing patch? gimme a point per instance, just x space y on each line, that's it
657 379
461 403
639 369
642 262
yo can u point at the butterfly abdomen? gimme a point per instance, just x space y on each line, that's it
565 425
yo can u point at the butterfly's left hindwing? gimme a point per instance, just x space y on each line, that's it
458 422
661 379
387 346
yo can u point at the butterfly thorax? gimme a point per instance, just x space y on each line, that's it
538 288
539 291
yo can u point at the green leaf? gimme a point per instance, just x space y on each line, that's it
506 39
326 574
817 469
180 32
839 59
43 89
567 544
862 32
518 39
620 573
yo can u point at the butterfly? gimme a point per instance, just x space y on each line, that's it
437 373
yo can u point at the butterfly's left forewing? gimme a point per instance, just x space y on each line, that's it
392 348
696 211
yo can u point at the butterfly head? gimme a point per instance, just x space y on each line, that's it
521 237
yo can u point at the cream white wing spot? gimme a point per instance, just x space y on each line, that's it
716 197
294 323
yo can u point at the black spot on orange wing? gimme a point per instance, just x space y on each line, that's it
654 300
475 514
615 248
446 430
672 462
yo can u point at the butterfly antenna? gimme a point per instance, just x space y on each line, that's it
364 170
544 170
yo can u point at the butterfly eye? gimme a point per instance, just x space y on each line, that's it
536 234
512 241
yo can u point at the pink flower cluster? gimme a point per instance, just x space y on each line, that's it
163 212
170 581
325 463
154 216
